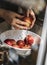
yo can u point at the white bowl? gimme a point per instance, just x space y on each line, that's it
16 35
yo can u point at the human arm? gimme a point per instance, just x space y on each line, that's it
14 19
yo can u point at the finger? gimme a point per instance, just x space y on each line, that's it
14 27
19 22
19 26
31 12
34 18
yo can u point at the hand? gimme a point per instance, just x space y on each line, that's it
30 11
17 23
11 18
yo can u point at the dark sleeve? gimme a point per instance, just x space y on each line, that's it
8 6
